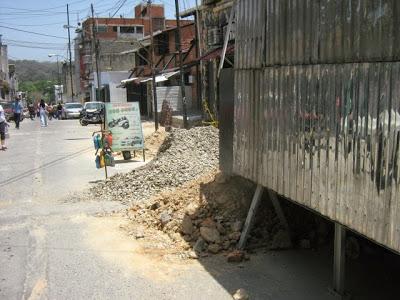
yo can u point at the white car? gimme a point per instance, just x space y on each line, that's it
72 110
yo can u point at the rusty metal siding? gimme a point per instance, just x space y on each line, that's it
317 107
290 32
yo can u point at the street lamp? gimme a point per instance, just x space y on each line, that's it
58 70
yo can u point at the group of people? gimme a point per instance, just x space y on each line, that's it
42 111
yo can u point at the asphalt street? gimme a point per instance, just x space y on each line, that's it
55 247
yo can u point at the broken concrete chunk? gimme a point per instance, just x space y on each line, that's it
235 256
199 245
211 235
165 218
241 294
214 248
187 226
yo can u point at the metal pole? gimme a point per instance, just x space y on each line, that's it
178 44
153 75
199 68
70 56
59 79
103 125
96 48
339 259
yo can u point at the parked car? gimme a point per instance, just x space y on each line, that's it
71 110
7 106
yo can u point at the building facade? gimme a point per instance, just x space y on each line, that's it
166 65
114 38
8 77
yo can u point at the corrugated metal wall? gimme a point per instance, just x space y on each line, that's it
317 99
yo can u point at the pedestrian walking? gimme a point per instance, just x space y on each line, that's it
3 125
18 109
59 110
43 113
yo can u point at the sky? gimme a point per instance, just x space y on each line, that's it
21 19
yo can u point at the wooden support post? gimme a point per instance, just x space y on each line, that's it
250 216
339 259
278 210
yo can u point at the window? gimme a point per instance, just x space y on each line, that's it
127 29
162 43
101 28
139 29
158 24
115 28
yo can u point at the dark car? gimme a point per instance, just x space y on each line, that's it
7 106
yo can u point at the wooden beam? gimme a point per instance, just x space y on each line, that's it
250 216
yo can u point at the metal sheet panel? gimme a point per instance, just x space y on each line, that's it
326 136
317 107
289 32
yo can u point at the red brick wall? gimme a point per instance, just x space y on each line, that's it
157 11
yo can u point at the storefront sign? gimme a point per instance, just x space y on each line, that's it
123 121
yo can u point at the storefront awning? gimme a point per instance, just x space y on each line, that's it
124 82
161 77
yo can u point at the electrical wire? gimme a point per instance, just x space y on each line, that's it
31 25
31 42
122 4
31 32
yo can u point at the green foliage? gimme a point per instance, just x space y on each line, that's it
38 89
37 78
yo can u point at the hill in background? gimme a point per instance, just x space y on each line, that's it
32 70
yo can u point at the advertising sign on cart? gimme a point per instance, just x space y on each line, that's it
123 121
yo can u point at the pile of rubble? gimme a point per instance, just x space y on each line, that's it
201 217
184 155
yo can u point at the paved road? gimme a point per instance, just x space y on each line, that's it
52 247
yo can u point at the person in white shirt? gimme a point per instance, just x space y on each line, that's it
43 113
3 125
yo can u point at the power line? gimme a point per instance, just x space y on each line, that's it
31 42
31 32
31 25
33 47
122 4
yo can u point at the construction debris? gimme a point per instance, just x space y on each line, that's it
198 218
241 294
185 155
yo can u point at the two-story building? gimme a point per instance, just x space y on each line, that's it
114 38
166 65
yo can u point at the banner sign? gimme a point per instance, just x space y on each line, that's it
123 121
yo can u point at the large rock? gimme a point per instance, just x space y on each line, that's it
235 256
214 248
208 222
165 218
187 226
241 294
211 235
199 245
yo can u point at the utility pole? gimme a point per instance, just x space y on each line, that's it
96 50
70 57
178 44
152 67
96 53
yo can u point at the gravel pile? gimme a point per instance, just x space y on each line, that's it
185 155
